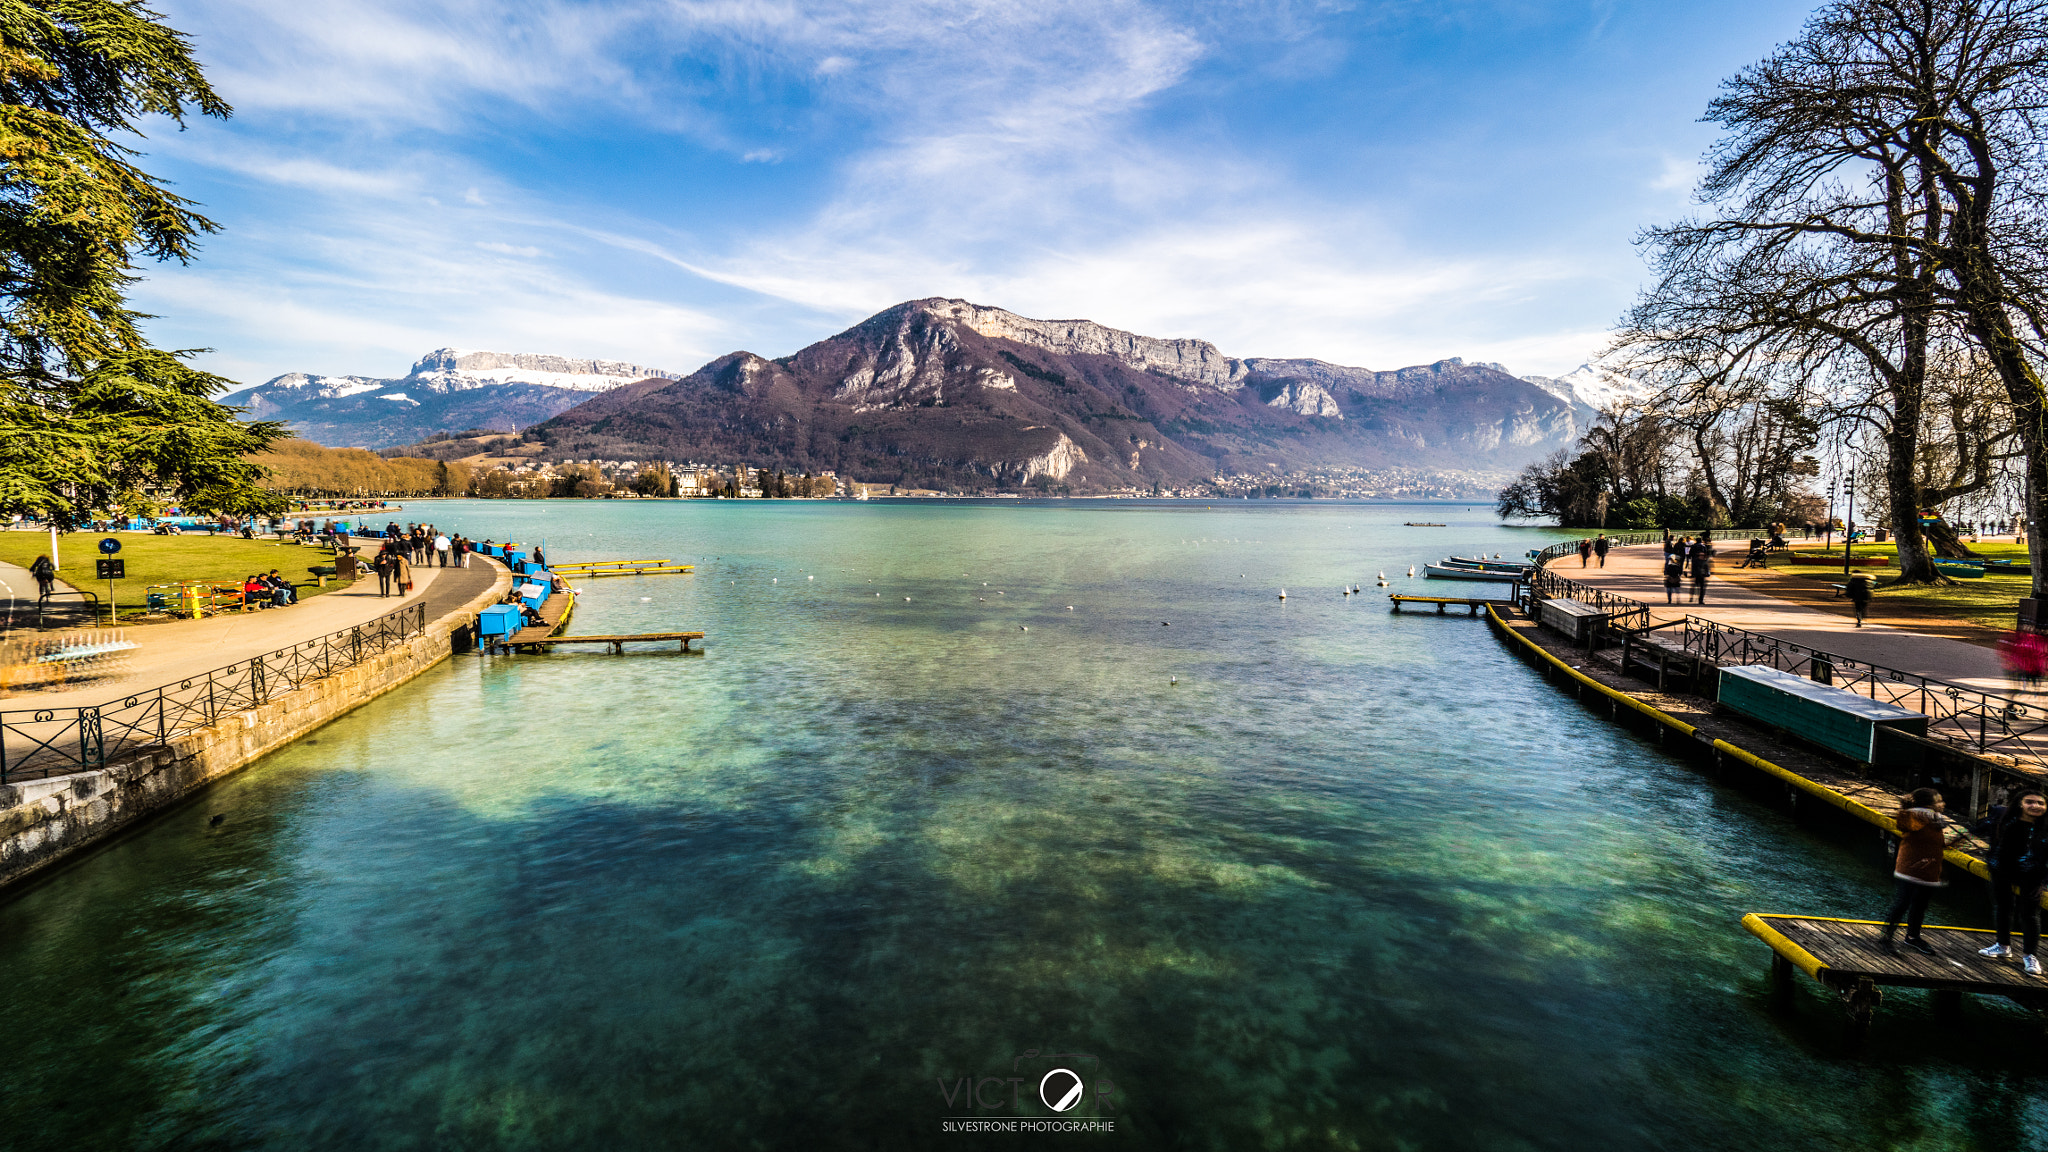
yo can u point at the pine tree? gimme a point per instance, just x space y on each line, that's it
91 414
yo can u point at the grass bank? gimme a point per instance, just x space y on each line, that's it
1991 603
155 560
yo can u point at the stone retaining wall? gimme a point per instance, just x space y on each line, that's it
45 821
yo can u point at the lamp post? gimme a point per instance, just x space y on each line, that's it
1848 521
1828 529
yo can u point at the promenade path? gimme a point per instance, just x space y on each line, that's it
1637 571
170 652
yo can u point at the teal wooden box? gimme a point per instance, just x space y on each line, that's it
1833 718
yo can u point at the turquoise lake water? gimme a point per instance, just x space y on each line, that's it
1268 875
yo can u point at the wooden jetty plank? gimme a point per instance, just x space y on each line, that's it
1472 604
591 569
619 642
554 612
1838 952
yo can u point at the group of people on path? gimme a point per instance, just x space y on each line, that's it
2018 863
1687 556
1597 546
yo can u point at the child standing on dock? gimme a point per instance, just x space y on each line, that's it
1916 871
2019 866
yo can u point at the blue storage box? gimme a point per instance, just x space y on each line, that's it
498 620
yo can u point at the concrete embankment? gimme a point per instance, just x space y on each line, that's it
1806 776
43 822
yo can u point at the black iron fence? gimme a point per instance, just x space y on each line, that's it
1623 612
1983 722
37 742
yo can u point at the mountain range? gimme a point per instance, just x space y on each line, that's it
946 393
448 389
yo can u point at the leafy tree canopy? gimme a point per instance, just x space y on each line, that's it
93 417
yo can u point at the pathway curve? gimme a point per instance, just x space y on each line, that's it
170 652
1637 571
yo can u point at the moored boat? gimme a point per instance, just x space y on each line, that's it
1449 572
1487 565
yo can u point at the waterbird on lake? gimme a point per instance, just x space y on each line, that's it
1283 593
1411 570
1070 607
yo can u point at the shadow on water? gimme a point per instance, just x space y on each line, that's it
1297 876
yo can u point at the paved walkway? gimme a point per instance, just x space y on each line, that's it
1637 572
171 652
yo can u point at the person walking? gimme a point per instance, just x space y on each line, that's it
387 566
1916 870
1702 567
1674 575
1600 547
462 549
441 548
1585 552
401 573
1858 593
2019 866
46 577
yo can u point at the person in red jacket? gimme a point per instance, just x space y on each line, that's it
1916 872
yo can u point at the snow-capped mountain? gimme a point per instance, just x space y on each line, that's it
1597 388
448 389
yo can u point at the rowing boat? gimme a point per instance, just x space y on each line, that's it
1486 565
1444 572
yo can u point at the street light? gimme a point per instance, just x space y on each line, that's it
1828 529
1848 521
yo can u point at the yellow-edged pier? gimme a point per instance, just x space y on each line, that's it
1848 958
618 643
595 568
1472 605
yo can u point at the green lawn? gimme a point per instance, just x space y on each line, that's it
154 560
1992 602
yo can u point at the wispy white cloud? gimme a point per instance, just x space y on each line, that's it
1001 150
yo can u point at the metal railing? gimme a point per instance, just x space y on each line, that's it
1619 540
56 741
1983 722
1623 611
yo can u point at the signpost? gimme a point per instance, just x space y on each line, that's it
111 570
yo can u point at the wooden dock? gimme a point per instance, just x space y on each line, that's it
1472 605
618 643
1847 958
554 615
596 568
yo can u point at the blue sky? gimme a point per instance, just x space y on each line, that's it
665 181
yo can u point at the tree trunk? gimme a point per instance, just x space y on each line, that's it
1947 544
1902 488
1993 330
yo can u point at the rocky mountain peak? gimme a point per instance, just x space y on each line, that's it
533 368
1186 359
